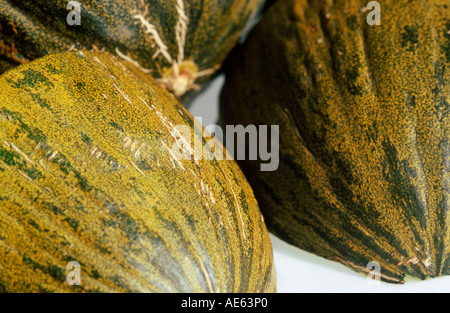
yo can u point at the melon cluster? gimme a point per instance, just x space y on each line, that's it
95 198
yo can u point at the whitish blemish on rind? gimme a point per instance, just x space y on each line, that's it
132 61
368 271
126 98
26 158
181 29
238 207
154 35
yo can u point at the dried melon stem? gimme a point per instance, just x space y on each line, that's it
180 78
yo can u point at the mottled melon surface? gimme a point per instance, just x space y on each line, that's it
364 130
87 174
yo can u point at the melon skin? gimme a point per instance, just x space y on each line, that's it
86 175
191 38
364 126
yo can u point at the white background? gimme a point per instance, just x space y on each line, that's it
297 270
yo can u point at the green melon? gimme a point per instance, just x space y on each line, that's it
87 174
177 41
364 130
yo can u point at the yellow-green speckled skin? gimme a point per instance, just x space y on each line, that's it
86 176
36 28
364 130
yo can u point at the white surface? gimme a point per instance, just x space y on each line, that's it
299 271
